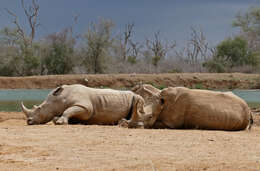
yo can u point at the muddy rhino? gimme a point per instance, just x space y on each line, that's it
87 105
180 107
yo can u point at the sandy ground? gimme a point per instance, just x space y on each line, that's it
83 147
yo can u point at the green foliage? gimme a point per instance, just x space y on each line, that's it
18 55
199 86
31 61
230 53
97 43
59 53
214 66
249 24
132 59
58 62
160 87
235 52
175 70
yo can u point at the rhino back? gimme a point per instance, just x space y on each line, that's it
108 106
210 110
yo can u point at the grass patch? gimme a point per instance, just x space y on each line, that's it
199 86
254 104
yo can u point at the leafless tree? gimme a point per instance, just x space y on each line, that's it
198 46
125 40
28 60
158 48
134 51
197 50
32 15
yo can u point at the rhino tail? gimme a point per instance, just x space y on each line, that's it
251 121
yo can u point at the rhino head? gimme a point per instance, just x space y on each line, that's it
153 103
46 111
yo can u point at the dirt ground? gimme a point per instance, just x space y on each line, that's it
83 147
192 80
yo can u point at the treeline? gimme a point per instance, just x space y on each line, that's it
98 50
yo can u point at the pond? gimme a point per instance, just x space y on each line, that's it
10 99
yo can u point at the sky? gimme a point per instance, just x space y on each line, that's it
173 18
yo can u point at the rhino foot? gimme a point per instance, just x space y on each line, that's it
136 125
61 121
123 123
128 124
54 120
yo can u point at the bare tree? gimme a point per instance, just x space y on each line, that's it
126 40
135 49
197 49
198 46
29 62
248 23
32 14
158 48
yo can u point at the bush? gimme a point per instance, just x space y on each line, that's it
232 53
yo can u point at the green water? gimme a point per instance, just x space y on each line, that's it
10 100
252 97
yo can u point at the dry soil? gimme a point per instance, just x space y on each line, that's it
92 147
84 147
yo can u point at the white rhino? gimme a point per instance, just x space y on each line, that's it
87 105
190 108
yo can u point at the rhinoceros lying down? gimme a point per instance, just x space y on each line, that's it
88 105
189 108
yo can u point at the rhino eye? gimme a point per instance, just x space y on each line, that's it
162 101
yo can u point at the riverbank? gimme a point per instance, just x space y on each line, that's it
121 81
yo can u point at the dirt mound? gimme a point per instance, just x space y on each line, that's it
193 80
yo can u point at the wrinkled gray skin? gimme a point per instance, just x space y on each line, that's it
202 109
88 105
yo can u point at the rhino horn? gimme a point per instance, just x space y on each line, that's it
27 112
150 92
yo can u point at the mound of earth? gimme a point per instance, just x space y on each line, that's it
121 81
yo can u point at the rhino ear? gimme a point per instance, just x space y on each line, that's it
57 91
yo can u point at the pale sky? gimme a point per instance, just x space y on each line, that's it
173 18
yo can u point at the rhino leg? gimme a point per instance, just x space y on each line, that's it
130 124
74 111
54 120
136 120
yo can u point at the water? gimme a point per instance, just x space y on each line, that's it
10 100
252 97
